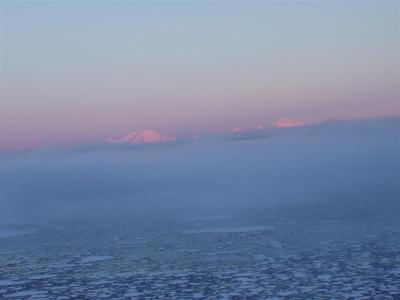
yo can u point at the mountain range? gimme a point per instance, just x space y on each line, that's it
151 136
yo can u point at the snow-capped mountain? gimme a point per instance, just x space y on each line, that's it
141 137
286 122
237 130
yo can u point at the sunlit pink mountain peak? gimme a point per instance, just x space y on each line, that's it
148 136
237 130
287 122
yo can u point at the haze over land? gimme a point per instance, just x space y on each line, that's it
337 162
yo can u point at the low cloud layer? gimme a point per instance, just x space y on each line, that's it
346 163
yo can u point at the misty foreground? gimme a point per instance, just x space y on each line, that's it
306 213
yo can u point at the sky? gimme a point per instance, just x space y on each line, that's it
81 71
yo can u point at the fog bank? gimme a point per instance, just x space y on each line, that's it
351 164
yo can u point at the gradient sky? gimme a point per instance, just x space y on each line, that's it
78 71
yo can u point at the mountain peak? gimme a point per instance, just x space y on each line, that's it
237 130
287 122
148 136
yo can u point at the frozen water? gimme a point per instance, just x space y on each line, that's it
222 259
32 293
11 282
206 218
233 229
40 277
6 233
92 259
